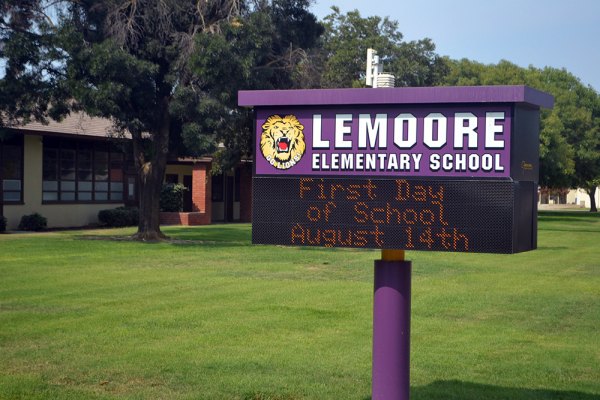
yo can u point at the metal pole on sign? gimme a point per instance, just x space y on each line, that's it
391 327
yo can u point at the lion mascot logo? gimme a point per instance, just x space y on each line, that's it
282 141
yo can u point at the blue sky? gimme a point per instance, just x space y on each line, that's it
556 33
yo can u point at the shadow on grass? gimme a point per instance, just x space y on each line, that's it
572 220
457 390
555 216
575 212
547 248
229 235
232 233
570 230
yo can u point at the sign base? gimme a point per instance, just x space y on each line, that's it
391 330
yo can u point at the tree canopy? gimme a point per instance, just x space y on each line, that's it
347 38
166 72
570 132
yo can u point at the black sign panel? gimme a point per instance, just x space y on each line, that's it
488 216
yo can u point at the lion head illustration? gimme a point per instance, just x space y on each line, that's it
282 141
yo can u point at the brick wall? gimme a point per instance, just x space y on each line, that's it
184 218
201 188
201 201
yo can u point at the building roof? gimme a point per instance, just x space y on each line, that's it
80 124
76 123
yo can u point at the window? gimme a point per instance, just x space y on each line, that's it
81 171
217 187
130 188
11 172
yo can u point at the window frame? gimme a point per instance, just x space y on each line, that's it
19 141
100 191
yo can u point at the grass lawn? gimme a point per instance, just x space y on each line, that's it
89 315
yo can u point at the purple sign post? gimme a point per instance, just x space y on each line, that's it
444 169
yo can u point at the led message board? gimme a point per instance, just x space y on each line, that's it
444 169
441 215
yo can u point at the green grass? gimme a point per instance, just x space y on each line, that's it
89 315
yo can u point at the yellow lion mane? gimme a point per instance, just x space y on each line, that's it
287 129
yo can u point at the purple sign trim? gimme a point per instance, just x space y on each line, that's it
468 141
420 95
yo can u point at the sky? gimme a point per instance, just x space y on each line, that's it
555 33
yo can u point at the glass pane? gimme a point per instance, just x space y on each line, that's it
131 188
50 170
49 185
12 185
85 186
84 159
101 196
101 175
50 154
116 186
66 185
116 174
116 170
12 196
67 196
101 165
67 169
67 154
67 174
50 196
85 196
11 162
84 175
84 165
101 186
116 196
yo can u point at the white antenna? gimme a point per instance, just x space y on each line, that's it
374 70
372 67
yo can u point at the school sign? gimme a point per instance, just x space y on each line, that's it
445 168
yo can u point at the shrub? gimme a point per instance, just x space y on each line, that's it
33 222
171 197
2 224
117 217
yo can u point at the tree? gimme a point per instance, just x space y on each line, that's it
31 62
578 108
140 65
570 132
347 38
586 143
268 49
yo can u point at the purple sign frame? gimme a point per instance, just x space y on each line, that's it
459 141
440 132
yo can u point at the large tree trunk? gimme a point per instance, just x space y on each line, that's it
151 172
150 178
591 191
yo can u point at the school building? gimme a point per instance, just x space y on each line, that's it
70 170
